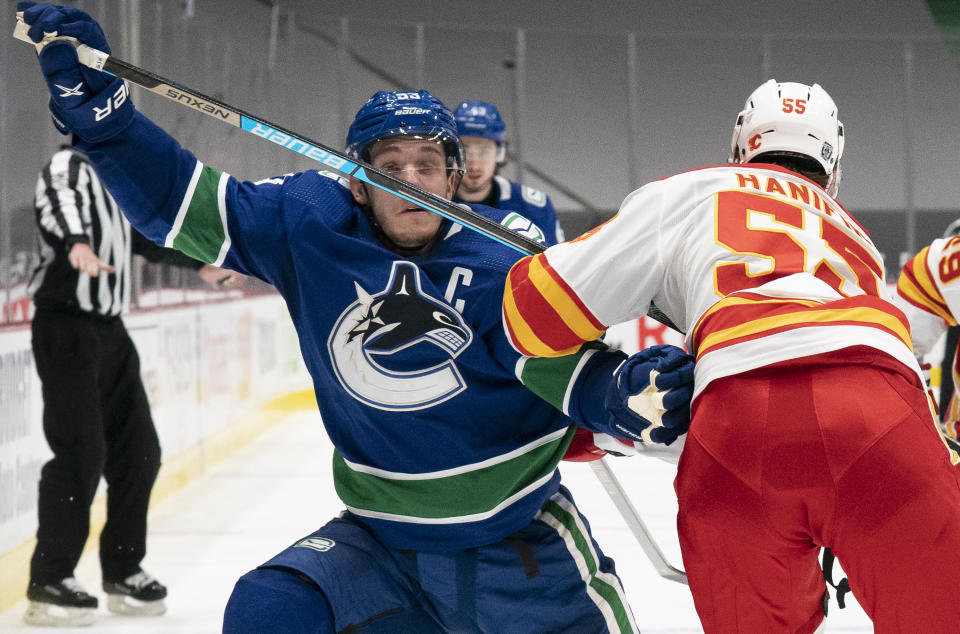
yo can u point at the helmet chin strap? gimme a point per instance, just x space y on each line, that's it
833 184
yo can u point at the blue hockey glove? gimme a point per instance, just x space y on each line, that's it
92 104
649 398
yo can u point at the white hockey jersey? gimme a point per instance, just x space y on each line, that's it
929 294
757 264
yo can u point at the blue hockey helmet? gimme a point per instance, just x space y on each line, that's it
416 114
480 119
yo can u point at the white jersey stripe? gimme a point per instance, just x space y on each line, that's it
184 206
794 344
573 379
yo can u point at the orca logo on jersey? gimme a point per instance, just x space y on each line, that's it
382 326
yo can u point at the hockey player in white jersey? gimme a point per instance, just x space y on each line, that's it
928 291
810 424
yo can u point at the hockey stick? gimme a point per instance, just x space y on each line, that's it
331 159
621 500
336 162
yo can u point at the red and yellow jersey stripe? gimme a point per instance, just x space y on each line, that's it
744 316
917 285
542 315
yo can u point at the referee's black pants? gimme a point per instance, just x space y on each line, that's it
97 421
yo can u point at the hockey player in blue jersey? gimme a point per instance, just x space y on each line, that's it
482 133
455 516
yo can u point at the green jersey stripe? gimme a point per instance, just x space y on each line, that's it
200 230
454 519
572 532
552 379
613 596
604 588
222 208
455 496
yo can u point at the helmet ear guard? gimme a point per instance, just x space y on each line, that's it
792 118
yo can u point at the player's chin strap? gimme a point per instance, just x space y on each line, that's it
842 588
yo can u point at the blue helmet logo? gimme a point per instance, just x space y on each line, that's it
417 114
384 325
480 119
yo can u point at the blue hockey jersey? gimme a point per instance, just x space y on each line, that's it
529 206
437 443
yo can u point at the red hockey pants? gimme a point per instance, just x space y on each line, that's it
836 450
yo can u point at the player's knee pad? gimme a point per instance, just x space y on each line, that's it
277 600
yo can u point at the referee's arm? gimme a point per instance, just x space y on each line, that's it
59 200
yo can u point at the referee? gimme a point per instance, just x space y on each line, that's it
96 418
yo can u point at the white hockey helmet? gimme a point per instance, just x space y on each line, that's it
790 118
952 229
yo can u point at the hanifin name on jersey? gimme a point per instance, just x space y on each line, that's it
799 193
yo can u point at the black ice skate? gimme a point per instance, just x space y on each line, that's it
64 603
137 595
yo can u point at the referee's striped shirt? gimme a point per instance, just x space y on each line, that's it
73 206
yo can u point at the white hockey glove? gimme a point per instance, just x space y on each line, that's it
621 448
649 398
612 446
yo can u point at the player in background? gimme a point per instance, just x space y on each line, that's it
482 132
928 292
455 516
810 424
948 382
